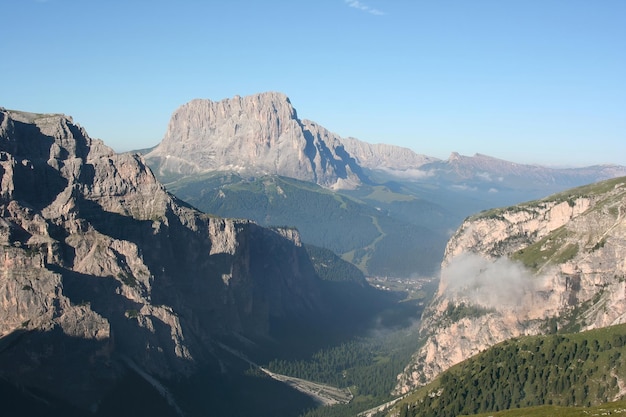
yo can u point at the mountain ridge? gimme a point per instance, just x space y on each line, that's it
555 263
102 268
254 134
261 134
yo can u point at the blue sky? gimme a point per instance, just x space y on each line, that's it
531 81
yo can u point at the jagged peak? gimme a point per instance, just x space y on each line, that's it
256 102
36 118
68 138
454 156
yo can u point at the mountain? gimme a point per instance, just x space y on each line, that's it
253 135
384 156
480 181
234 158
532 375
501 174
362 233
116 294
548 265
480 174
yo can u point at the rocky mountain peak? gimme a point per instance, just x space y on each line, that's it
101 268
454 156
256 135
549 265
384 156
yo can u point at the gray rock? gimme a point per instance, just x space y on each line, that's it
523 270
253 135
383 156
100 266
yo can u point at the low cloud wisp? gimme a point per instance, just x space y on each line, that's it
408 174
493 284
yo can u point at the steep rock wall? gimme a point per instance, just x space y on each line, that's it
100 266
256 135
544 266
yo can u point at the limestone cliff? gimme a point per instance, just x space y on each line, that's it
550 265
100 266
254 135
383 156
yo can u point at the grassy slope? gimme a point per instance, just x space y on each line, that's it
569 370
591 190
617 407
371 238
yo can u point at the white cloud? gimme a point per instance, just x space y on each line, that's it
408 174
484 176
489 283
364 7
463 187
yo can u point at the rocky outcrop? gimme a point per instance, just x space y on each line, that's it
253 135
100 266
383 156
556 264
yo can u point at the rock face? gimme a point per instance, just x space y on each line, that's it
384 156
100 266
550 265
254 135
261 135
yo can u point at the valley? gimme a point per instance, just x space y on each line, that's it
324 394
415 288
385 208
292 272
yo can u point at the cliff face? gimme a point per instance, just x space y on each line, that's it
383 156
100 266
544 266
255 135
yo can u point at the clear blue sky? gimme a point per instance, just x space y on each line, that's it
532 81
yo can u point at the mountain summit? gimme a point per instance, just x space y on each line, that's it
104 274
254 135
261 135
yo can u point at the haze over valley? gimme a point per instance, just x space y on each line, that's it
313 209
384 208
107 272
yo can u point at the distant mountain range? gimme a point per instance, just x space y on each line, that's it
222 157
262 135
